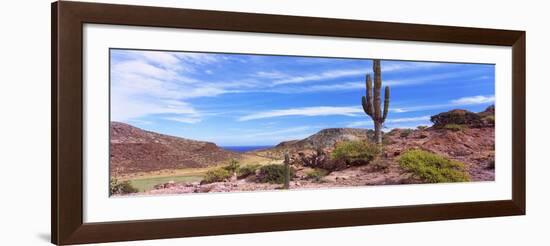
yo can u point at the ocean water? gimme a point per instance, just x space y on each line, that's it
244 148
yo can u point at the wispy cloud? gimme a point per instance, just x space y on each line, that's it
147 83
346 86
332 74
409 119
201 90
188 120
463 101
268 136
270 75
390 121
305 111
342 73
355 110
473 100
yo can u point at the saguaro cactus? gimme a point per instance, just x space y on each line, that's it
371 103
287 172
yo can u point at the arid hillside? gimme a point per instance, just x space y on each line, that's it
323 139
458 147
136 150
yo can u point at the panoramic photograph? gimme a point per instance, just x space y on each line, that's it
196 122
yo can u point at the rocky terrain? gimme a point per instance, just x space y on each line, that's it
135 150
472 146
458 135
325 138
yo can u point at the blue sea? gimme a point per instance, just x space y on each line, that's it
245 148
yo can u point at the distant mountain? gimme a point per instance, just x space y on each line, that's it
325 138
135 150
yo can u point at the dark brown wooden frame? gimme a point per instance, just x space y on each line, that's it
67 207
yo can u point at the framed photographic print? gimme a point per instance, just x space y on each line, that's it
175 122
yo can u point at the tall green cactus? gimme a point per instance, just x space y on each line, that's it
371 103
287 172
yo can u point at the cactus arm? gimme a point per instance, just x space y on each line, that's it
365 105
369 95
386 102
377 86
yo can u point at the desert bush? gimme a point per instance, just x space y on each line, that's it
273 173
457 116
454 127
405 133
355 151
316 174
421 127
233 166
216 175
489 119
121 188
433 168
245 171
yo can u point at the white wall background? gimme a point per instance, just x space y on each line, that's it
25 122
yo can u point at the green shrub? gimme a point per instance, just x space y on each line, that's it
121 188
216 175
233 166
352 151
457 116
247 170
489 119
421 127
454 127
405 133
433 168
273 173
316 174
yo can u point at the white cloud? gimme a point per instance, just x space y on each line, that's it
364 123
151 82
142 68
164 59
188 120
125 108
318 88
306 111
334 74
263 136
463 101
409 119
198 58
369 123
343 86
424 79
408 66
270 75
473 100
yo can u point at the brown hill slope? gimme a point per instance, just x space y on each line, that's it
323 139
136 150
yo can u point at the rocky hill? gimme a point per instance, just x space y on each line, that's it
323 139
458 135
471 140
136 150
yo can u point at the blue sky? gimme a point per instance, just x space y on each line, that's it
240 100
